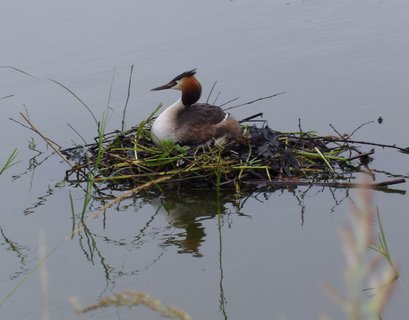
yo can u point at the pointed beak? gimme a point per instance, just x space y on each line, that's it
166 86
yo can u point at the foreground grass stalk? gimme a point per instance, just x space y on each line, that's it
134 298
364 272
381 246
42 254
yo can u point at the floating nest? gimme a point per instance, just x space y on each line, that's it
262 158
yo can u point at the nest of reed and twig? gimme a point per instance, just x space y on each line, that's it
264 157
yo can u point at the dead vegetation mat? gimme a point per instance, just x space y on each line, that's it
264 157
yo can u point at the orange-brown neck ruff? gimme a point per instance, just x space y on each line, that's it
191 90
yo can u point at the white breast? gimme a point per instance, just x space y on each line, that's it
164 126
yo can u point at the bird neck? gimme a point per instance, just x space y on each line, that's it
191 92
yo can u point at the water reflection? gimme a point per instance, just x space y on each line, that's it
21 253
177 221
141 233
186 215
187 211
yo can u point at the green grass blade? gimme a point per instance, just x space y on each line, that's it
76 97
9 162
325 159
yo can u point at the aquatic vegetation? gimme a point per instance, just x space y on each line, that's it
128 160
9 162
262 158
132 298
365 273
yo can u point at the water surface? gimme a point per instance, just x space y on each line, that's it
342 63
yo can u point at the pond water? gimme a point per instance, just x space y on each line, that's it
342 63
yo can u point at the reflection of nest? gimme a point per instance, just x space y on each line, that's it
263 157
188 211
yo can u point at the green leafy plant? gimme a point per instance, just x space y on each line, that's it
9 162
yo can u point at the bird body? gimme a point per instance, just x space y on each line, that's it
190 123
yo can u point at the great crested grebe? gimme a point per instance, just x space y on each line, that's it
189 123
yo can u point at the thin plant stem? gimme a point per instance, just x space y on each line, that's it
253 101
127 98
42 253
78 98
9 162
48 141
